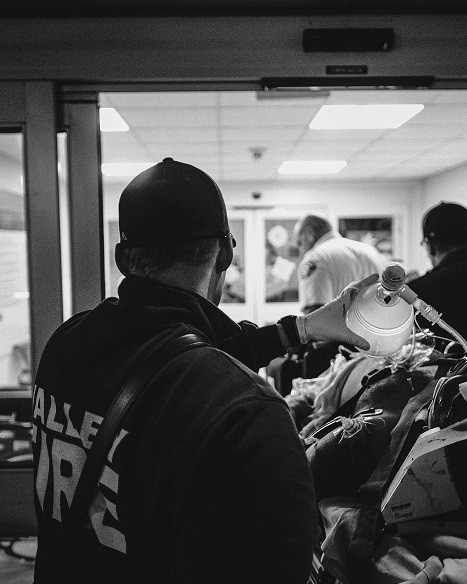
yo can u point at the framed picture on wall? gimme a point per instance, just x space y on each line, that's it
377 231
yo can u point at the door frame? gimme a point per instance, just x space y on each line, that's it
30 107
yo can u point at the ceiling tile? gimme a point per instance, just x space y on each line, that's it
433 132
388 147
168 134
172 117
455 96
261 134
270 147
180 148
172 99
443 114
339 135
123 147
273 115
367 97
331 148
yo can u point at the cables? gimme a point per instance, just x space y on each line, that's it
430 314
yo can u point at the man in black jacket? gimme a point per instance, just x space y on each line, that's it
206 480
445 286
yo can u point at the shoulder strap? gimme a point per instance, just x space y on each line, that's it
126 397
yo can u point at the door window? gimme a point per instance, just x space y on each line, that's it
14 288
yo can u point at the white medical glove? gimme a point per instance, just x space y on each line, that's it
328 322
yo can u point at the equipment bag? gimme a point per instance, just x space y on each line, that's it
403 436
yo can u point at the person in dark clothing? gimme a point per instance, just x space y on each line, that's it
445 286
206 480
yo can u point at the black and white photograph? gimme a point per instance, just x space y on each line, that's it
233 269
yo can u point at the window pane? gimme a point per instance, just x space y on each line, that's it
62 140
14 289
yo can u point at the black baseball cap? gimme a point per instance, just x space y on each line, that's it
171 202
446 222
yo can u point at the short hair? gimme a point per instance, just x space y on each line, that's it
440 246
319 224
153 260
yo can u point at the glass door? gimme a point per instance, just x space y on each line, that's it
242 138
15 336
278 260
30 272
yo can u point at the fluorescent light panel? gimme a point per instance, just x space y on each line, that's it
111 120
312 166
124 168
364 117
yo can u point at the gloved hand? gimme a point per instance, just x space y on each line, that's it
328 322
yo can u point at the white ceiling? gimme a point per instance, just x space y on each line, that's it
218 130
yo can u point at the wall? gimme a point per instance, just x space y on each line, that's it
210 49
448 186
352 198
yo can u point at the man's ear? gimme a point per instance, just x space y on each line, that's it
432 247
120 259
224 256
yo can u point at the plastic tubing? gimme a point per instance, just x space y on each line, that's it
430 314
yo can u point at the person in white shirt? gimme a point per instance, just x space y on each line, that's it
330 262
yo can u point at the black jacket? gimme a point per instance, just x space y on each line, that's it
445 288
207 481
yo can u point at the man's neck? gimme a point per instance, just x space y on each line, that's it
185 277
326 236
441 255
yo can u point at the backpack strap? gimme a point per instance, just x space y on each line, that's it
154 360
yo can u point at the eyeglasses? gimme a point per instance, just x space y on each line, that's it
426 241
231 237
428 238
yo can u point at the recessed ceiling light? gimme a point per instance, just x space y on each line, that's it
312 166
111 120
124 168
364 117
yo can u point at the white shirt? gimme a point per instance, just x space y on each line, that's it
332 264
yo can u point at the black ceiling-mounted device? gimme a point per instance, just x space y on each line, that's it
347 82
345 40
